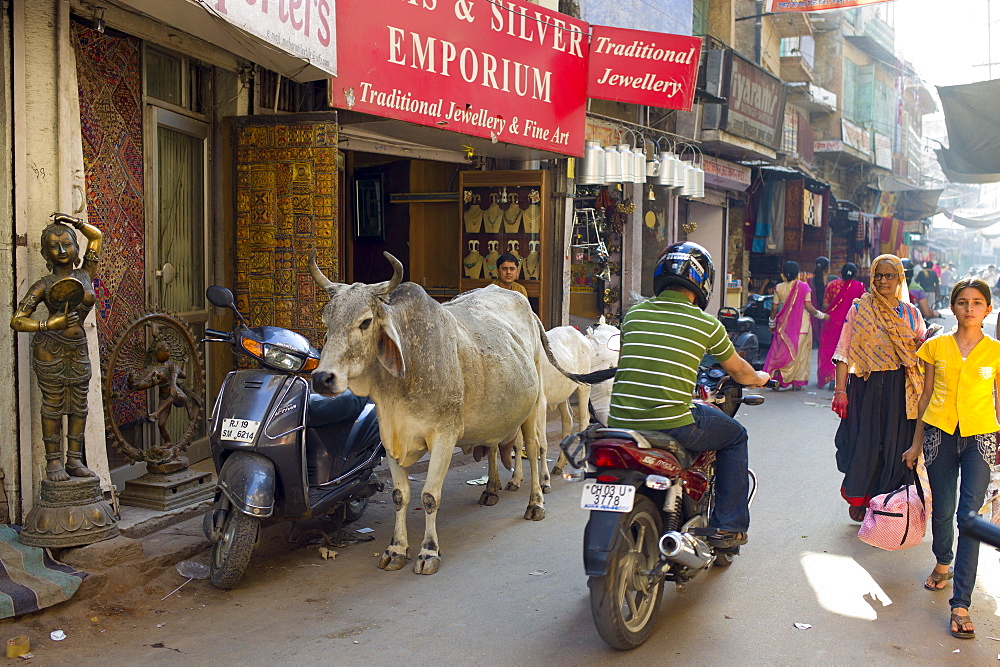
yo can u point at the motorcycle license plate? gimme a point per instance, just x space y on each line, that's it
608 497
239 430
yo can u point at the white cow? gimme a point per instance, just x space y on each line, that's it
465 373
605 341
573 352
578 354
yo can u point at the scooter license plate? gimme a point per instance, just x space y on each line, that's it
608 497
239 430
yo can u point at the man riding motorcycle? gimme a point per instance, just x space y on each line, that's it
663 342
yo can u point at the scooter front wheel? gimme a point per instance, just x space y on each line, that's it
625 601
231 554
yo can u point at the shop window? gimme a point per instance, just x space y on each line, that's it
177 80
292 96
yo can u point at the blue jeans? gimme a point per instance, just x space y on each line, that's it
714 431
943 474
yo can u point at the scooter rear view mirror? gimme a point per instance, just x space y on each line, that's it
223 298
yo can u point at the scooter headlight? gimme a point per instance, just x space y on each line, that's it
281 358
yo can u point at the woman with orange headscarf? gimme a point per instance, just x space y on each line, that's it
878 384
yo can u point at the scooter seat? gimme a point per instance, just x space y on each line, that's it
324 410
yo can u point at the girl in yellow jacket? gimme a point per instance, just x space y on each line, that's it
957 434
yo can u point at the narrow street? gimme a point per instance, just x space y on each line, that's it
514 591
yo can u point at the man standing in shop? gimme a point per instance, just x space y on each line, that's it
508 267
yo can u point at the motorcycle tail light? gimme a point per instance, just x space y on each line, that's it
608 457
607 479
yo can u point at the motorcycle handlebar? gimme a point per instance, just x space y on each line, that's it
213 336
980 529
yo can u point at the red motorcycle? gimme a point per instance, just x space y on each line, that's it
649 501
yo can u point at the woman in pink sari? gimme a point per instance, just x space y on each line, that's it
840 294
788 358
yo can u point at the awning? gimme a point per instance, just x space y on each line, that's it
977 222
374 134
787 174
917 204
972 116
200 19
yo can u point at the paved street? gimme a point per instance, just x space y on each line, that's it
513 591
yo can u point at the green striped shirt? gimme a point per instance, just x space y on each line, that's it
663 341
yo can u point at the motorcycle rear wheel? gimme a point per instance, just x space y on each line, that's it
625 602
231 554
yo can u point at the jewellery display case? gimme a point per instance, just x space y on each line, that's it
505 212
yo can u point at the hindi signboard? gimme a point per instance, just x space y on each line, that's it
639 67
507 71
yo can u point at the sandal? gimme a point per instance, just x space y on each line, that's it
960 622
856 512
936 578
726 539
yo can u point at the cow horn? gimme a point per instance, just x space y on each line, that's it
321 280
397 273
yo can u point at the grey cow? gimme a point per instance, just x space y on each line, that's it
466 373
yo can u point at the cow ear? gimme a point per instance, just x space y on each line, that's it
389 353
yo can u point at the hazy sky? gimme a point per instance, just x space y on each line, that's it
945 39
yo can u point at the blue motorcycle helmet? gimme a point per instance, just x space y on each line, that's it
688 265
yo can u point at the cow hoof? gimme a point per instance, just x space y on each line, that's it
546 488
391 561
534 513
511 486
557 470
427 564
489 498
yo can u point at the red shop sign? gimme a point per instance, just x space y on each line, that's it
505 70
652 68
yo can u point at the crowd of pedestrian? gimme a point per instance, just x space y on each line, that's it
897 396
897 393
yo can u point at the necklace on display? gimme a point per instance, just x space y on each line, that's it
512 248
493 215
491 259
532 217
531 262
512 216
473 219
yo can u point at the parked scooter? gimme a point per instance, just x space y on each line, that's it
281 451
758 308
740 329
649 501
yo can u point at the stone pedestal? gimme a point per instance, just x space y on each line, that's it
69 514
165 492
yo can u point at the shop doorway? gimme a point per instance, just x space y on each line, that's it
176 240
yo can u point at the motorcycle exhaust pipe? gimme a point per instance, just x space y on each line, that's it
686 550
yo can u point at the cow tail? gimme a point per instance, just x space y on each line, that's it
581 378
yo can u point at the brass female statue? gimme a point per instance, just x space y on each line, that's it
59 354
